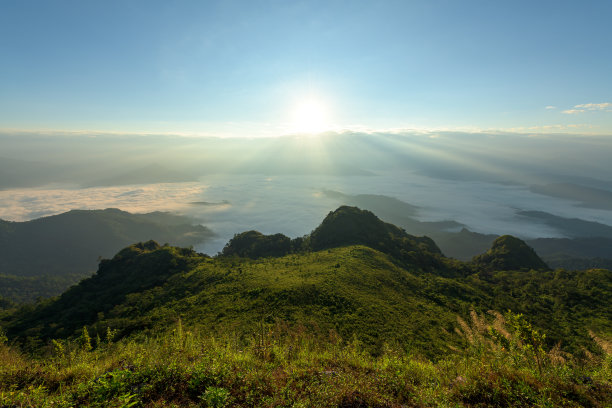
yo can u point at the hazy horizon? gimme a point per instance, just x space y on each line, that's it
481 181
471 111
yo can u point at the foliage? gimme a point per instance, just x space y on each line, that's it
6 303
85 339
136 268
68 246
21 289
346 326
351 226
345 226
253 244
562 303
530 342
510 253
186 367
353 290
216 397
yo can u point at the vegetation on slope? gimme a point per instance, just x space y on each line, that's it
342 227
353 290
23 289
254 244
502 363
61 249
509 253
346 325
350 226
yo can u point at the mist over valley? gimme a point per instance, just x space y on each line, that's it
473 181
432 184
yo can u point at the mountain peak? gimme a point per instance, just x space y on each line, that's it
343 227
353 226
510 253
254 244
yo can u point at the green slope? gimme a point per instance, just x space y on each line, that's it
510 253
351 289
43 257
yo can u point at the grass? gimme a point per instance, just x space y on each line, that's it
282 366
353 290
344 327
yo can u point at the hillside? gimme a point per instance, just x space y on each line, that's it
322 320
61 249
509 253
379 295
344 226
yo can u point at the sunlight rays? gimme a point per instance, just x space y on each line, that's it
309 116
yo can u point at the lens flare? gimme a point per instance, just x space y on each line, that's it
310 116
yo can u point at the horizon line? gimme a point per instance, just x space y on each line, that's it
522 131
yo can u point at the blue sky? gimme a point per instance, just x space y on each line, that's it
242 67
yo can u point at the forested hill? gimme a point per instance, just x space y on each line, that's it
45 256
344 226
354 275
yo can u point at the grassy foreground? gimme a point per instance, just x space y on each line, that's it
502 364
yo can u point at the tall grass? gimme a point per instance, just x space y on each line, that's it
282 366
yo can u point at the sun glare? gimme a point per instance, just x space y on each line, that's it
310 116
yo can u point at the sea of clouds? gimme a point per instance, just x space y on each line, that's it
295 205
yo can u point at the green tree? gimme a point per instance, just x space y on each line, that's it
85 339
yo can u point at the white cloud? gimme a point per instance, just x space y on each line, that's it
28 203
595 106
573 111
584 107
552 128
551 107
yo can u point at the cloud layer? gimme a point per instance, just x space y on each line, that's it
28 203
589 107
294 206
272 185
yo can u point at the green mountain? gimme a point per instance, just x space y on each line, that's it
322 320
254 244
588 244
403 291
345 226
45 256
510 253
350 225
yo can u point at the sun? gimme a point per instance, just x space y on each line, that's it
310 116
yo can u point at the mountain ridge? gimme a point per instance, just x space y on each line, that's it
350 288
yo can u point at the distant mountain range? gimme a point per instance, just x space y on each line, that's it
585 196
588 244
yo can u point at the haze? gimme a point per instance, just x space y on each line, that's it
267 116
